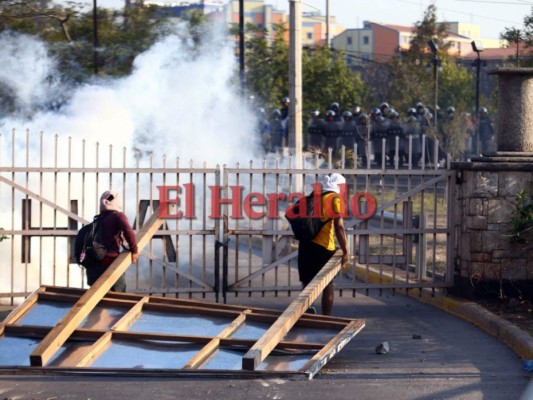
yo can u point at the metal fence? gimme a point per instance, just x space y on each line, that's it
227 241
406 244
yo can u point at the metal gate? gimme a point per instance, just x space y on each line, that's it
50 186
231 237
406 244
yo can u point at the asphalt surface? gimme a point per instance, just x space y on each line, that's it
448 358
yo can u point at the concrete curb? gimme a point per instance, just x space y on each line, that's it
519 341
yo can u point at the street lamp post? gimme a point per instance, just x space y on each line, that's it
95 37
477 47
436 64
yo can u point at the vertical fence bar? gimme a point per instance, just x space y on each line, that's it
225 242
27 217
83 157
177 279
164 237
54 259
13 163
204 226
69 198
137 207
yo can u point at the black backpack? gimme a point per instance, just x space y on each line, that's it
89 248
306 228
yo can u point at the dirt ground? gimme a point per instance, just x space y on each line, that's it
518 312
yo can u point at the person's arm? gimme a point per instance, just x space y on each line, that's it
340 233
129 235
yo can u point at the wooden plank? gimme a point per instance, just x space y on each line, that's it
270 339
213 345
61 332
123 323
19 311
333 347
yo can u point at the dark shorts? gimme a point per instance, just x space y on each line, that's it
94 272
311 258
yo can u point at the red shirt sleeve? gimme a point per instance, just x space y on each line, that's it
129 235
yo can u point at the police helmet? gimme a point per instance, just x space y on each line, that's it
376 111
419 105
285 100
276 114
384 105
315 113
362 117
483 110
346 115
334 106
356 109
411 111
330 113
393 114
450 109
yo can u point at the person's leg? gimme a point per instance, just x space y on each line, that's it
327 299
93 272
120 285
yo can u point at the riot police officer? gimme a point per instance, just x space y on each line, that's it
356 111
331 131
378 133
276 131
450 113
285 101
336 108
385 109
347 131
395 129
315 139
413 136
363 127
486 130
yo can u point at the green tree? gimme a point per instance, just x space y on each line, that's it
325 74
69 32
327 78
412 80
514 36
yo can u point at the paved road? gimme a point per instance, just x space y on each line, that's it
452 360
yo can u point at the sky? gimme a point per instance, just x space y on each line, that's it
493 16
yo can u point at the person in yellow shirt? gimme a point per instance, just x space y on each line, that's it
314 254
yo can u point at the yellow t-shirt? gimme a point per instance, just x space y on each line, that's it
326 236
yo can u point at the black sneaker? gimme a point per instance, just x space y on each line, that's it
311 310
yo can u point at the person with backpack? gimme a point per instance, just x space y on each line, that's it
112 226
314 253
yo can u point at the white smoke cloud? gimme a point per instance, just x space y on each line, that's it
25 70
179 100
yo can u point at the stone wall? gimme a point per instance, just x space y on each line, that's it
484 250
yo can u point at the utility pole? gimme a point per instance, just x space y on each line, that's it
295 81
478 48
327 23
95 37
241 45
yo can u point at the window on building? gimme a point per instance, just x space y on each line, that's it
349 40
366 40
310 35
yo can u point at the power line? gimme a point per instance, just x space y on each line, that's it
462 12
496 2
